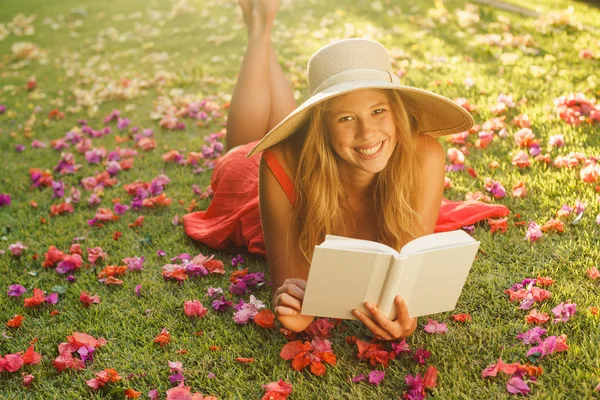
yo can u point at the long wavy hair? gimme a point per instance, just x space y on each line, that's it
321 205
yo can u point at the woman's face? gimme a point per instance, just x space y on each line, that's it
362 120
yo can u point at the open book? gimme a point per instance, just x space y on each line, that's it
429 273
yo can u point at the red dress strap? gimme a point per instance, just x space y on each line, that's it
280 174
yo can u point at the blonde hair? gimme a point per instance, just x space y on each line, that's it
321 206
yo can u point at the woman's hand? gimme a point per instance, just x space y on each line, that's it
288 304
382 327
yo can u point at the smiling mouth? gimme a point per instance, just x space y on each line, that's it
370 151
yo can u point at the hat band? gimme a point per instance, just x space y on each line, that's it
356 75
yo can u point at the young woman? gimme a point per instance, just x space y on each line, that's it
357 159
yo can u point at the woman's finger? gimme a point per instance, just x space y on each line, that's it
285 311
379 318
404 318
292 289
286 300
402 310
372 326
301 283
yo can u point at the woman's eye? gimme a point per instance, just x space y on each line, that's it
379 111
343 119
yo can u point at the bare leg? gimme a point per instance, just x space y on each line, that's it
250 108
282 96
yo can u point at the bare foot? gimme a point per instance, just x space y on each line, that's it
246 6
264 11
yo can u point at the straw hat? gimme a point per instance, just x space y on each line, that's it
354 64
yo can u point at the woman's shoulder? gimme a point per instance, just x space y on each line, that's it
287 157
430 149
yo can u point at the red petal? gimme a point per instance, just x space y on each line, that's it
317 368
290 350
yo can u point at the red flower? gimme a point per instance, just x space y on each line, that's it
37 299
265 318
535 317
375 353
15 322
461 317
88 300
163 338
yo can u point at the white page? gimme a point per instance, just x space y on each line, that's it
342 282
341 242
440 279
436 241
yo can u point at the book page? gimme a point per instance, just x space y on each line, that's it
339 280
341 242
438 281
436 241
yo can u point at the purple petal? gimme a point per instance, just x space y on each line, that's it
52 299
375 377
16 290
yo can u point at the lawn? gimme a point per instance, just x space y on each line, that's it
96 96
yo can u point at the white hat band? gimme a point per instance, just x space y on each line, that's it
356 75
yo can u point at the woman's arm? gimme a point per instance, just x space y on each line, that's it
286 288
433 169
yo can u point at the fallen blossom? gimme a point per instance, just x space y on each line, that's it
375 377
88 300
564 311
433 326
593 273
535 317
461 317
16 290
163 338
194 308
17 249
534 232
516 385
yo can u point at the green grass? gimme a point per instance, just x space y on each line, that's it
205 49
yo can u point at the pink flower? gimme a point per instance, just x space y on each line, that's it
455 156
181 392
593 273
534 232
212 291
16 290
375 377
564 311
95 253
134 263
495 188
519 190
521 159
586 54
557 140
590 173
435 327
27 379
277 390
194 308
17 249
516 385
524 137
176 366
579 207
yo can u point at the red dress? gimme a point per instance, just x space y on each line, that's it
233 216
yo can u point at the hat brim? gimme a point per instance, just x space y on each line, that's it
436 115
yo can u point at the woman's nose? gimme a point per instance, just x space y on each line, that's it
366 129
